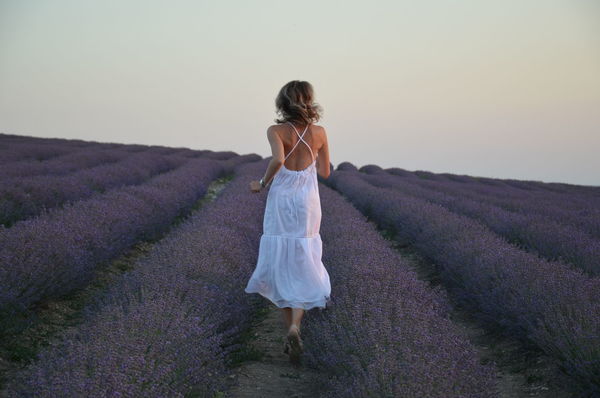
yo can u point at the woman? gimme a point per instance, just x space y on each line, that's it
289 271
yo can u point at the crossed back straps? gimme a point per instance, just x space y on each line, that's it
300 139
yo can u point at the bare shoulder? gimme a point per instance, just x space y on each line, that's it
320 132
273 131
318 128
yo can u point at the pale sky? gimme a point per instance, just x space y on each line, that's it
505 89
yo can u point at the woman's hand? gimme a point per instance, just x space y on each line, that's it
255 186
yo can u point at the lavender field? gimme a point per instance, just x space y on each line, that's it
122 273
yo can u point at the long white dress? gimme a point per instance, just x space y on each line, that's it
289 270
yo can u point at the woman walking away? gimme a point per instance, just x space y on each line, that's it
289 271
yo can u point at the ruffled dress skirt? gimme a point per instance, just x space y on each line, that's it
289 271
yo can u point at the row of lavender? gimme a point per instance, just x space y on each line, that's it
61 165
58 251
386 333
572 197
532 187
540 232
25 165
23 146
10 139
540 301
21 198
17 148
571 208
35 150
571 200
166 327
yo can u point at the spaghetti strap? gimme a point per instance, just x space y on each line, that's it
300 139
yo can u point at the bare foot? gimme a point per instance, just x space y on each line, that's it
296 346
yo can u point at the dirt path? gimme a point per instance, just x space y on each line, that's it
271 375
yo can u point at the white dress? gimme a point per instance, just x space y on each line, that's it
289 271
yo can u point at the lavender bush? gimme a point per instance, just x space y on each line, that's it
165 328
386 334
559 187
57 252
542 302
232 165
14 139
62 165
33 151
21 159
221 155
570 208
21 198
538 233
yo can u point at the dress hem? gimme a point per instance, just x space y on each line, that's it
321 304
317 235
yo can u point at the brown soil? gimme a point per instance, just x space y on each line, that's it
271 375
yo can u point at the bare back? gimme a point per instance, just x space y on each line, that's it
300 156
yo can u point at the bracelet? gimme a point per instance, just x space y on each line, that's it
262 183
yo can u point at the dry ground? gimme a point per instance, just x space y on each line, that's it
272 375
